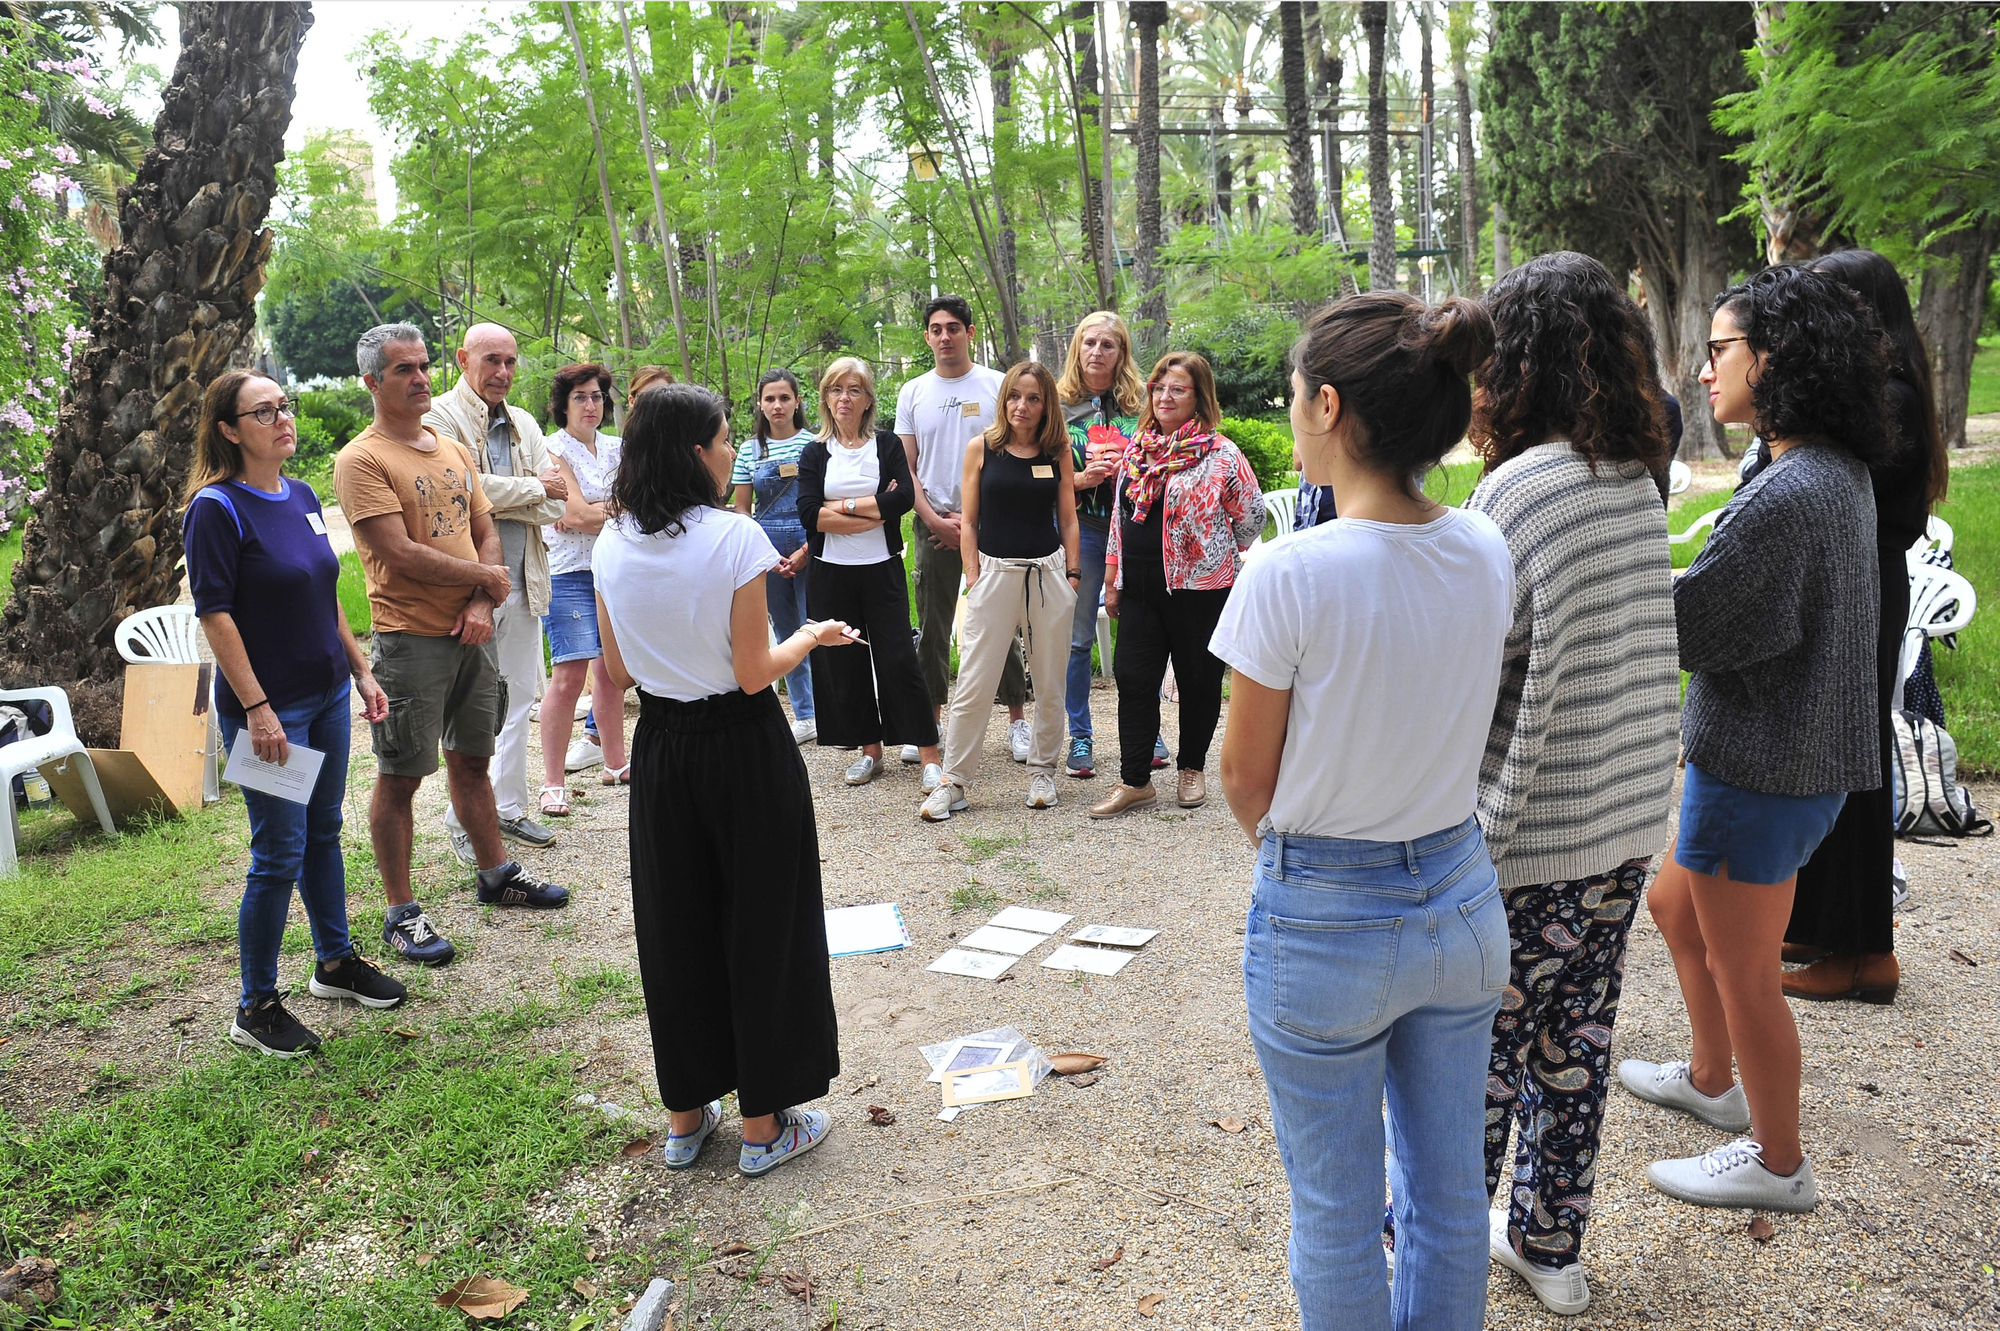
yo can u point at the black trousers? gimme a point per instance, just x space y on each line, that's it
1844 900
726 905
1156 626
873 694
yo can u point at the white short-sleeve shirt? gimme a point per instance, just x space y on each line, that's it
853 473
1390 638
669 597
945 415
596 472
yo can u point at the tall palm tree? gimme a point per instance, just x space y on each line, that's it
179 295
1381 202
1458 33
1298 117
1152 330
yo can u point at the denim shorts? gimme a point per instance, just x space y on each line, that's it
571 622
1755 837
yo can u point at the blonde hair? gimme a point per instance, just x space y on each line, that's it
217 457
833 374
1052 434
645 377
1126 385
1207 408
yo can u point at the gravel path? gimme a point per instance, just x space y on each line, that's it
1899 1112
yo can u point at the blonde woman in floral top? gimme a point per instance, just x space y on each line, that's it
1186 507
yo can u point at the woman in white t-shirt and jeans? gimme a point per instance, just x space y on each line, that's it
726 899
1367 654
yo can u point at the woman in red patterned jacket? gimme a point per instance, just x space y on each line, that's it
1186 507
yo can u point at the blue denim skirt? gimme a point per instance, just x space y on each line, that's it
571 622
1757 838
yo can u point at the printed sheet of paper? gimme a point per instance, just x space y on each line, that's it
977 1086
1032 921
962 1054
293 781
979 965
992 938
852 931
1111 935
1091 960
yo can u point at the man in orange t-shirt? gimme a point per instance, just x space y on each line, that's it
432 557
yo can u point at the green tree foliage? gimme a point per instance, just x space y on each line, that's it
313 329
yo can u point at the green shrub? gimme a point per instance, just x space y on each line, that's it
343 412
315 441
1248 351
1267 444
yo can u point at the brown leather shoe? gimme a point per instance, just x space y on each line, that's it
1123 797
1193 789
1868 978
1800 954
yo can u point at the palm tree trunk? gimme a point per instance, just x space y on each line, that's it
1000 70
1458 34
1089 95
179 296
668 249
1298 118
603 184
1152 330
1381 201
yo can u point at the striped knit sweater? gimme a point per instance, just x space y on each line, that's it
1579 763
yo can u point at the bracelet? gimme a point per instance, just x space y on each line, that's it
261 702
1076 573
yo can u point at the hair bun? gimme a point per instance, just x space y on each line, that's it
1457 333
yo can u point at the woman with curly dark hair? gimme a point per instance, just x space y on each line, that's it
1579 766
1777 624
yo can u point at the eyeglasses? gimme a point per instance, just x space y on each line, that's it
268 413
1169 391
847 390
587 399
1721 342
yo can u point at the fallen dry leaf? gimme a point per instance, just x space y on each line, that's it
732 1250
1065 1064
635 1148
1227 1124
797 1283
1087 1079
425 1258
370 1094
1149 1304
1761 1229
590 1254
1958 1141
584 1286
870 1080
483 1297
1961 958
406 1033
1106 1263
880 1116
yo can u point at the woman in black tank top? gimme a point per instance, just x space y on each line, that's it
1019 543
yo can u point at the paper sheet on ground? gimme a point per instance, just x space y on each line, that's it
1112 935
992 938
1033 921
979 965
1092 960
852 931
970 1053
293 781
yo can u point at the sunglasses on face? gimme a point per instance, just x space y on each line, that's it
268 413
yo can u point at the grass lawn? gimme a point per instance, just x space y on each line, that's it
1985 378
352 588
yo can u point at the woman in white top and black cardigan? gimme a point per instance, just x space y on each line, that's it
725 854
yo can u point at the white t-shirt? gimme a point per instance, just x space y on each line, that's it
853 473
945 415
669 597
1390 639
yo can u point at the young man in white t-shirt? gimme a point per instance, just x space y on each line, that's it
937 414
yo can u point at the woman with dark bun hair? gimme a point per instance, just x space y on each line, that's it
1579 768
1841 917
1777 621
1375 953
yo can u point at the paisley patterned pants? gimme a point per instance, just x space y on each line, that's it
1552 1052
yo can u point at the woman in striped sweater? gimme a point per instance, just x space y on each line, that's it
1578 774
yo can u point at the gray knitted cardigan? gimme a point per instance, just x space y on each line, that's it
1778 623
1579 767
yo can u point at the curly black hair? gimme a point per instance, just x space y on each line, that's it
1826 370
1573 358
662 474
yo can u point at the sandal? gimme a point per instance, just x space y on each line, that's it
616 776
555 801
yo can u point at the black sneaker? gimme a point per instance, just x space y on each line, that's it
510 885
408 930
356 977
1082 761
526 831
266 1026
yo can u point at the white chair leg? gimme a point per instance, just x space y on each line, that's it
88 771
211 772
1104 641
10 834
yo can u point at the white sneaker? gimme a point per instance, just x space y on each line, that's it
584 753
943 802
1041 791
582 706
805 732
1564 1291
1734 1175
910 755
933 775
1668 1084
862 770
1017 739
1899 885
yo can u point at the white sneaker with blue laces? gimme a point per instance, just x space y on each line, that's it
1734 1175
799 1130
681 1151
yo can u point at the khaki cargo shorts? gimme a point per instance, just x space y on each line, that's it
439 689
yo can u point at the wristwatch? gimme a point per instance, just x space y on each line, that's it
847 507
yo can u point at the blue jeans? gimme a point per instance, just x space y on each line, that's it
785 598
1083 628
296 843
1373 966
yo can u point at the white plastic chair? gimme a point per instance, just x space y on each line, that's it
171 635
1941 603
1679 477
1934 546
25 755
1283 506
1696 528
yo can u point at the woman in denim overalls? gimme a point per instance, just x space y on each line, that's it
769 472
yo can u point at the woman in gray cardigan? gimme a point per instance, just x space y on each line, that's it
1777 623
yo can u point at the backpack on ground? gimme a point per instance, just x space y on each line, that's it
1929 800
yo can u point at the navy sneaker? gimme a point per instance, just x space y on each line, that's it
266 1027
356 977
408 930
1081 762
1160 758
509 885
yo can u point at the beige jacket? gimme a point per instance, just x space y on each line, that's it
462 415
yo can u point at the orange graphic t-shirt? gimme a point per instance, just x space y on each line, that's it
438 493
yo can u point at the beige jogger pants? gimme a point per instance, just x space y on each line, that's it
1011 595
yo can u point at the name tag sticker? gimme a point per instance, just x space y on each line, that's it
788 469
968 408
1044 473
313 521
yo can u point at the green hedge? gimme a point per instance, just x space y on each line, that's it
1267 444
